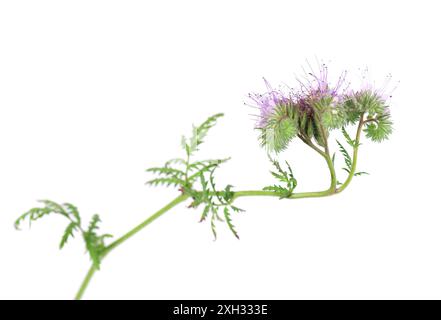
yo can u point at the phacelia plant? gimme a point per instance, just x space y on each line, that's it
310 112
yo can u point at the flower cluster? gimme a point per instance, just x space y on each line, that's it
317 107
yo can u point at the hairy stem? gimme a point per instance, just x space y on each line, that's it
325 154
354 155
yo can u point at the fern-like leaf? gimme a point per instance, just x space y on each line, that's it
287 177
199 133
72 211
346 156
166 171
349 140
34 214
94 242
213 222
68 233
171 181
229 222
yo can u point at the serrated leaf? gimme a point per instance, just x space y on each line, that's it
73 211
213 226
351 142
167 171
199 133
346 156
285 177
94 242
167 182
281 191
53 206
230 222
228 193
205 213
34 214
69 232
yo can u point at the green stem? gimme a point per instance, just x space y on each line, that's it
332 171
85 282
300 195
325 154
176 201
128 235
354 156
248 193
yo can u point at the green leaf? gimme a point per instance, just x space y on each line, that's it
94 242
282 191
167 182
69 232
53 207
228 194
175 161
200 132
73 211
167 171
351 142
35 214
213 222
204 164
230 222
346 156
205 213
360 173
287 177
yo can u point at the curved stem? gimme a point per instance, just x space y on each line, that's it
312 145
176 201
354 156
325 154
247 193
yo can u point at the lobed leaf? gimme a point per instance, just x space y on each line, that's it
346 156
68 233
229 222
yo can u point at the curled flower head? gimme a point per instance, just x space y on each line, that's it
373 102
317 107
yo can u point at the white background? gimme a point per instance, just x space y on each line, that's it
94 92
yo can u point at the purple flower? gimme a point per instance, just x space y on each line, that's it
317 86
368 87
267 102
